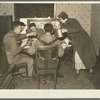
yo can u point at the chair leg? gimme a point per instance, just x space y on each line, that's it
13 87
33 76
38 81
27 72
55 80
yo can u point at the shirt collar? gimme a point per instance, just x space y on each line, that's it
16 35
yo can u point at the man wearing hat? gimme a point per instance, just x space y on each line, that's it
84 53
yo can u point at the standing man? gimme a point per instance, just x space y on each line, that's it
84 53
13 50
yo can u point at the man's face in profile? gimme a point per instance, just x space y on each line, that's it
22 28
62 20
33 28
18 29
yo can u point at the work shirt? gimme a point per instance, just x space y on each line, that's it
12 48
48 39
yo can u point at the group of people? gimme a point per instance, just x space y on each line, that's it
15 50
84 53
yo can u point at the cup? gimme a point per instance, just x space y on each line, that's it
59 33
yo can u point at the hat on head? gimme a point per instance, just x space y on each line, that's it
63 15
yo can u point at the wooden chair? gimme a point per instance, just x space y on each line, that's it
14 68
46 63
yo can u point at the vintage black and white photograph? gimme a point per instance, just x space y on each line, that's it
52 45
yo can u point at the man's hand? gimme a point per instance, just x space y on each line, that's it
31 34
24 42
64 30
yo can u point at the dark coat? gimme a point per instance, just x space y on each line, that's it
81 41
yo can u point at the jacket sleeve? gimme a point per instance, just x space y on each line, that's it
73 26
22 36
40 32
14 47
32 49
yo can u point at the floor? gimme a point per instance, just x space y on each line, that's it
69 81
96 77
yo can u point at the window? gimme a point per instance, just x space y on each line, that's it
33 10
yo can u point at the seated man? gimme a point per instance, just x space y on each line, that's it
23 36
38 32
48 39
13 50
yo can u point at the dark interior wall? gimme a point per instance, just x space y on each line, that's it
95 26
5 25
33 10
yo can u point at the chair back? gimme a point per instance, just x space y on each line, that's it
46 62
48 57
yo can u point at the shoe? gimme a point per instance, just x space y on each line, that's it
78 72
59 74
76 75
43 81
29 77
21 77
91 72
49 81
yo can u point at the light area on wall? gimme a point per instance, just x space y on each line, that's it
80 11
7 9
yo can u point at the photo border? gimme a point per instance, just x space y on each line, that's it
51 94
